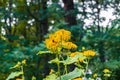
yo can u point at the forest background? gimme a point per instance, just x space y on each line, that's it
24 25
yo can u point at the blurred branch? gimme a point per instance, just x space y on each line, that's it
30 13
98 15
10 16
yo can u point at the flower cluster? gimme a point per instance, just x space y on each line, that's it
85 53
89 53
59 39
69 45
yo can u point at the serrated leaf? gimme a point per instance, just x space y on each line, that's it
13 75
76 73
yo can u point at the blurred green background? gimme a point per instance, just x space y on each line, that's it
24 25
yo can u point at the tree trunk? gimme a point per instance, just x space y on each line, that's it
43 30
98 15
44 20
70 17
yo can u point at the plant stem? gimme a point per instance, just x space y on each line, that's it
87 64
58 65
106 78
66 69
86 68
22 72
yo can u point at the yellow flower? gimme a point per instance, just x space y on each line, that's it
50 44
55 40
17 65
83 48
63 35
69 45
81 59
54 37
74 54
95 75
106 70
89 53
24 61
19 79
77 79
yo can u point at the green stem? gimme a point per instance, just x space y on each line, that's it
106 78
87 64
58 65
22 72
65 65
86 69
59 74
66 69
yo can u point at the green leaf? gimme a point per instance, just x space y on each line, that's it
44 52
51 77
56 60
71 60
13 75
76 73
33 78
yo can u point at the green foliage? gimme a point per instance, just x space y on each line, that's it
14 75
113 64
21 35
51 77
75 73
71 60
